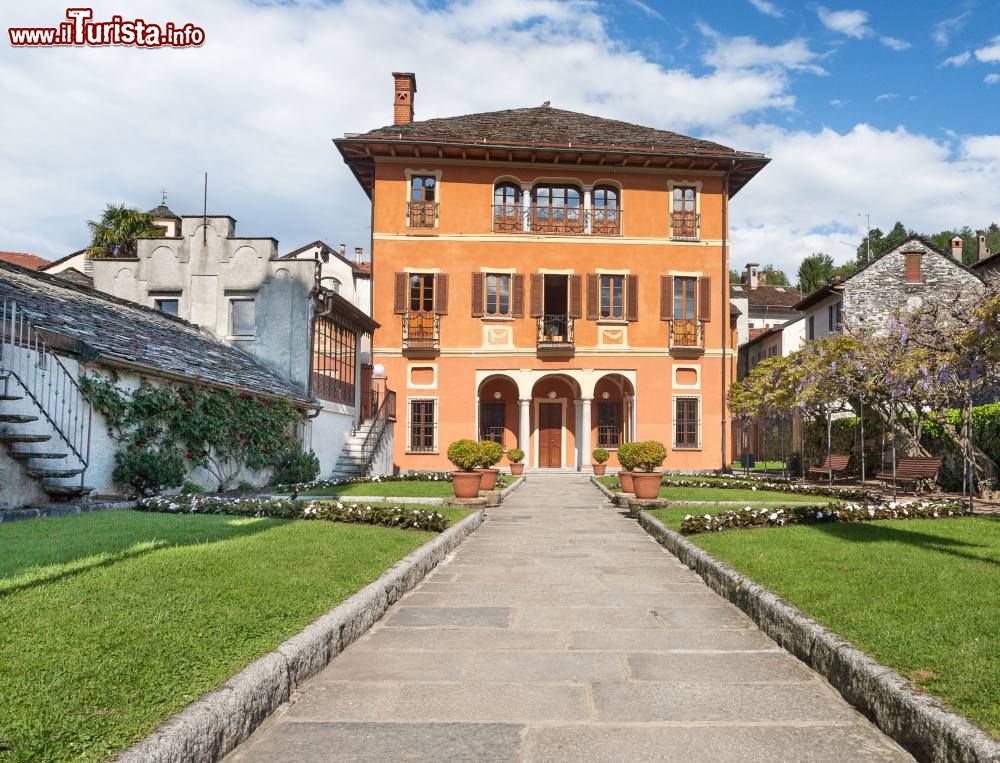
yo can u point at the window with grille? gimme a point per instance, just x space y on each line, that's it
609 425
686 423
498 294
423 425
334 360
491 422
613 297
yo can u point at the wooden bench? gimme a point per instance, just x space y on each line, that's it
913 469
833 466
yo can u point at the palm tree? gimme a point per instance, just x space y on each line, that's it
114 235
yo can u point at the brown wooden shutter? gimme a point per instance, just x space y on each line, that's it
478 294
593 296
913 268
705 294
441 294
632 298
517 296
666 298
576 296
399 301
536 295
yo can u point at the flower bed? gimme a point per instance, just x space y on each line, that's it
747 518
276 508
414 477
777 486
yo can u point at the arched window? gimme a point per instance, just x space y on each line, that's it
606 216
557 209
507 208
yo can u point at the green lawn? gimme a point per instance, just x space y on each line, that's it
110 622
921 596
401 489
673 515
739 495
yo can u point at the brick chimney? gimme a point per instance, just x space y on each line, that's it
750 277
956 248
402 102
984 251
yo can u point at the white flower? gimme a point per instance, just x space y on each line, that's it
773 516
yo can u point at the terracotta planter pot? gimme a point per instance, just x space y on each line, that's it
599 469
466 484
626 480
517 469
646 484
489 478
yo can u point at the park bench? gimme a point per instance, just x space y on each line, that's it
913 469
830 468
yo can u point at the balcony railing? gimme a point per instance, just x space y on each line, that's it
493 434
555 332
422 214
562 221
686 335
421 331
685 226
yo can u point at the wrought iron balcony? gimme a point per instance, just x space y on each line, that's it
422 214
560 221
687 335
421 332
685 226
556 333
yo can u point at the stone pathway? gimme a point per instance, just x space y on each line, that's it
561 631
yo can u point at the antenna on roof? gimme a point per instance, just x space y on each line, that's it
163 196
204 214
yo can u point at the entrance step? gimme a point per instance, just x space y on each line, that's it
23 437
16 418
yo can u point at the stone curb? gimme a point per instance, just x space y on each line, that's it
57 510
511 488
917 721
610 495
212 726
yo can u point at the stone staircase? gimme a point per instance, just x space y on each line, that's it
367 441
351 461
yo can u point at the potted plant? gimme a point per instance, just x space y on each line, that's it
516 456
647 457
490 454
600 464
625 451
464 454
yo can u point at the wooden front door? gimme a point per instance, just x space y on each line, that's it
550 435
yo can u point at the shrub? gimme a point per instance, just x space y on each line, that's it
600 455
146 470
626 455
295 468
464 454
490 453
192 488
515 455
246 487
649 455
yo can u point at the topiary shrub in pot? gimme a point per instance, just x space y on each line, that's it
600 464
490 454
625 451
516 456
464 454
647 457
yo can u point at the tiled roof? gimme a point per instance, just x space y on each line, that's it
546 126
767 296
123 333
32 261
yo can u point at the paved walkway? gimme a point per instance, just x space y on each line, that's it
561 631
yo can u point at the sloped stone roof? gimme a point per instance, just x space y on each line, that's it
766 295
118 332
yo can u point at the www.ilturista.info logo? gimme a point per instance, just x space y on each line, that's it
80 30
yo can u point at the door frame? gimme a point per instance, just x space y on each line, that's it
561 401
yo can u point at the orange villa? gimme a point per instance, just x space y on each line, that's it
550 280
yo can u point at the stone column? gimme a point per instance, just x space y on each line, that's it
584 437
525 214
476 419
587 207
578 427
524 427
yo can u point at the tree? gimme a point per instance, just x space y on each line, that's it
734 277
814 271
115 234
773 276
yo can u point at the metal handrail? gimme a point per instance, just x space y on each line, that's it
376 434
685 226
556 330
27 357
687 333
560 220
421 329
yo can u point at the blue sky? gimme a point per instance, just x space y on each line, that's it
884 108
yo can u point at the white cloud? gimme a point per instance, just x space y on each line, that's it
989 54
886 97
942 31
647 9
894 43
729 53
852 23
960 59
767 8
991 79
838 103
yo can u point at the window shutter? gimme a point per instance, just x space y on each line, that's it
441 294
517 298
705 294
536 295
632 298
576 296
593 296
478 294
399 303
666 298
913 268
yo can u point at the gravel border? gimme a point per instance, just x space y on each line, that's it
212 726
917 721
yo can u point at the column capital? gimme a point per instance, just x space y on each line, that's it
524 401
